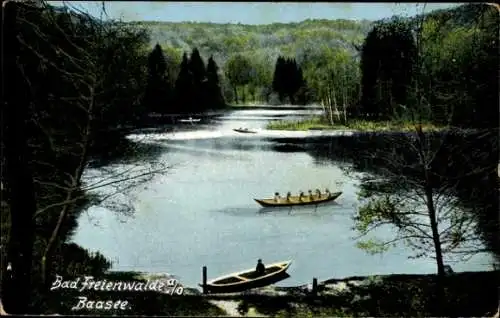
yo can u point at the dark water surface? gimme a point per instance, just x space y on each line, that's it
202 211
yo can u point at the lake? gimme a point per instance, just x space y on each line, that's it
202 211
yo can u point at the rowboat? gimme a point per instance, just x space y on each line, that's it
248 279
245 131
296 200
190 120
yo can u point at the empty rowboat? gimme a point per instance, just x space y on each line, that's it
245 131
249 279
297 200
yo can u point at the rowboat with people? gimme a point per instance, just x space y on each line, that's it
249 278
245 131
301 199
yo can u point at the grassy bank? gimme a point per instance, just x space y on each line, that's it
319 122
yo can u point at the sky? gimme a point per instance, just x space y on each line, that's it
249 12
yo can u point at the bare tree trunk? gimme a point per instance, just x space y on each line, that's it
16 287
330 110
334 96
346 102
434 225
344 109
440 305
325 109
235 94
428 188
335 105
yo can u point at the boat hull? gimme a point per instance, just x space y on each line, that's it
245 131
294 201
246 280
215 289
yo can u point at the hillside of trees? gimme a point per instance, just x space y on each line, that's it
254 49
361 68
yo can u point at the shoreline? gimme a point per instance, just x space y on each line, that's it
317 123
338 284
470 294
355 295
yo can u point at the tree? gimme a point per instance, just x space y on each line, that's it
288 79
198 74
278 78
261 79
418 195
158 91
333 76
238 72
458 54
173 58
214 96
183 84
64 64
387 59
17 285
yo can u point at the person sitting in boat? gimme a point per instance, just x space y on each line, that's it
288 196
310 195
318 192
301 195
327 192
260 269
276 197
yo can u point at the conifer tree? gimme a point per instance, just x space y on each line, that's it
214 96
198 73
158 90
183 86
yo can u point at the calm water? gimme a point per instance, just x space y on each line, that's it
202 211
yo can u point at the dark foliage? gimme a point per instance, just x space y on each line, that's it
197 87
158 91
387 64
288 81
440 67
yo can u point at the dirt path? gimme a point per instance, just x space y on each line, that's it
231 308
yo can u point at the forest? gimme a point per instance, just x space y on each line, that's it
74 78
247 56
380 69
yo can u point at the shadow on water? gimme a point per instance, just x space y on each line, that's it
126 151
287 148
240 211
321 210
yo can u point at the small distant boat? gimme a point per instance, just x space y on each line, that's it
298 200
245 131
190 120
248 279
